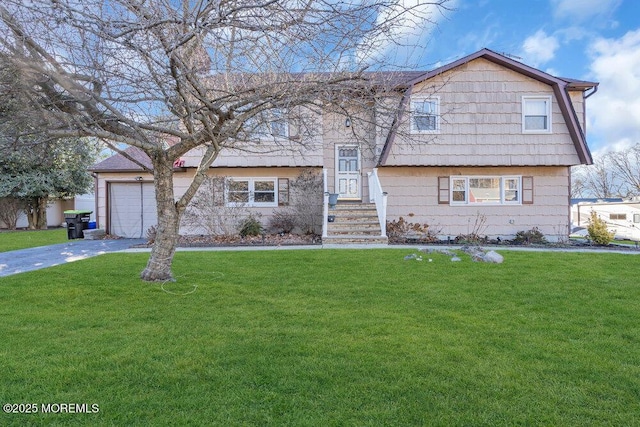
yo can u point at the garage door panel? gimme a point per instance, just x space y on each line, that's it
132 209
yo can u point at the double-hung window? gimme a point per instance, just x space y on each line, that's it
536 114
425 115
277 124
488 190
270 124
252 192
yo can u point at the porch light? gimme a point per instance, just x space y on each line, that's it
347 122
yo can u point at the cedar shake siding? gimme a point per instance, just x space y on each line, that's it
414 195
481 122
476 122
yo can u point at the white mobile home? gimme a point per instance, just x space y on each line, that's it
622 218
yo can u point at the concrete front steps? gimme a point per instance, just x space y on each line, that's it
354 223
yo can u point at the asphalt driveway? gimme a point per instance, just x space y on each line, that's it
14 262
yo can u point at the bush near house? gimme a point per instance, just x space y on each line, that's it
250 227
533 236
598 231
403 231
282 222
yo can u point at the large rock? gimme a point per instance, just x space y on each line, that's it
478 254
493 257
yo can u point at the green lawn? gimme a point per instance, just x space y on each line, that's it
14 240
325 337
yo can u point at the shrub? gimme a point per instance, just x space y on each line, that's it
282 222
471 238
10 209
402 230
207 211
475 230
598 231
250 227
306 201
532 236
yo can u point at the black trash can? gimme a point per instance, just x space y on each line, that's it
77 222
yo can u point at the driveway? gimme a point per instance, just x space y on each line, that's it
14 262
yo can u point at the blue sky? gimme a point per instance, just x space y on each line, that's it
595 40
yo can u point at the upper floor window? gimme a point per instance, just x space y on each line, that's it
277 124
270 124
536 114
425 115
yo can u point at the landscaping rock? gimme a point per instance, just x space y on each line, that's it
478 254
493 257
455 259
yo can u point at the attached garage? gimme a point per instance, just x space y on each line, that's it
131 208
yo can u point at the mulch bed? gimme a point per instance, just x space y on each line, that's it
266 240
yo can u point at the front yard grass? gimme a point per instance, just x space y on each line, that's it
21 239
326 337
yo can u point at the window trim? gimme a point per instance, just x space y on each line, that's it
277 115
418 99
251 190
549 113
502 202
261 125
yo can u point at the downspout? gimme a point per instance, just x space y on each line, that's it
95 197
141 209
586 95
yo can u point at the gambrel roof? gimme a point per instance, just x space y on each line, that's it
560 86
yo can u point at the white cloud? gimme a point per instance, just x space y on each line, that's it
614 112
539 48
582 10
413 23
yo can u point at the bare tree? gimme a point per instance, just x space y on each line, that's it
596 180
174 76
613 174
625 167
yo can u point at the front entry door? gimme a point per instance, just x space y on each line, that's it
348 172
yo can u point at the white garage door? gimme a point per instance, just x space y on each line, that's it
132 209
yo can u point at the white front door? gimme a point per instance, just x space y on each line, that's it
348 172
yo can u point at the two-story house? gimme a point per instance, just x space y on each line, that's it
483 144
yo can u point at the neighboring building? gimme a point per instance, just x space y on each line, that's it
621 216
56 208
485 140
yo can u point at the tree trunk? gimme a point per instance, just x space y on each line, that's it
41 213
36 211
158 267
31 212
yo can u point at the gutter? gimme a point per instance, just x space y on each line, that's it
595 89
586 95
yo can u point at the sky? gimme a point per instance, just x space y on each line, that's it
593 40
